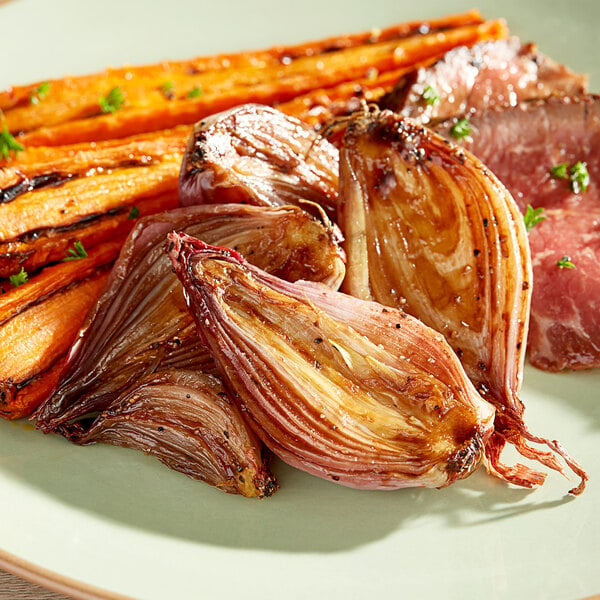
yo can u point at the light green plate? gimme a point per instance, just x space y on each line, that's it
118 520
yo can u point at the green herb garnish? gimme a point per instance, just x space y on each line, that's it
20 278
565 263
113 101
39 93
134 213
532 217
196 92
577 174
167 88
76 252
580 178
8 143
430 96
461 129
560 171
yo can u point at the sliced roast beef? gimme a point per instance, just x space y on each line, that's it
565 313
522 145
500 73
533 149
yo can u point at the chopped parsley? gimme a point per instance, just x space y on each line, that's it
580 178
430 96
167 89
113 101
76 252
8 143
577 174
134 212
532 217
461 129
39 93
20 278
560 171
196 92
565 263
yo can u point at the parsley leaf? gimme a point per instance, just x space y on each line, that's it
532 217
168 90
40 92
8 143
430 96
560 171
113 101
134 213
196 92
580 178
461 129
577 174
76 252
20 278
565 263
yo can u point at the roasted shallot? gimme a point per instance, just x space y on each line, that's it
348 390
430 230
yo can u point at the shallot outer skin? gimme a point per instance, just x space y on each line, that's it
187 421
347 390
429 229
141 324
255 154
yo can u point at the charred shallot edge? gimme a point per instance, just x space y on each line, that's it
254 154
187 421
429 229
141 323
347 390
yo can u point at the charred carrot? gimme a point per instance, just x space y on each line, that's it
75 200
38 323
33 252
28 95
147 109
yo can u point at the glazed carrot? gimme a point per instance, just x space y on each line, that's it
160 72
51 245
147 109
78 159
74 200
38 323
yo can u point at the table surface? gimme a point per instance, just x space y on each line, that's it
15 588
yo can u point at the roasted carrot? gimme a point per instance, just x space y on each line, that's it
65 162
38 323
51 245
147 109
21 96
80 198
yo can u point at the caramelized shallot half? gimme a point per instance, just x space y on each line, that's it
188 422
254 154
431 231
141 324
344 389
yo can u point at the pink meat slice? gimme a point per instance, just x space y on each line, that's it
520 145
564 328
491 74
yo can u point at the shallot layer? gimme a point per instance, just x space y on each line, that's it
187 421
255 154
429 229
347 390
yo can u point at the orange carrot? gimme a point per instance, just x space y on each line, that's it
147 109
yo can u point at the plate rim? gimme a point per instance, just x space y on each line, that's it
54 581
